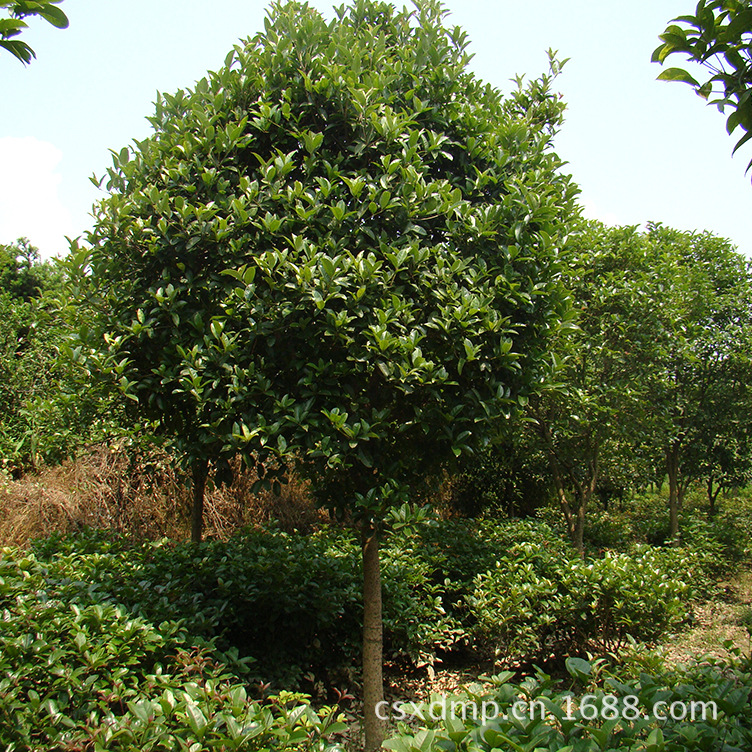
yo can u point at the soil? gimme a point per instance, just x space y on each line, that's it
715 623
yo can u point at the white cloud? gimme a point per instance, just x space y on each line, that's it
29 202
591 210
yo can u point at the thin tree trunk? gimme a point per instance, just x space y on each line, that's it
578 539
672 468
712 497
200 468
682 492
373 685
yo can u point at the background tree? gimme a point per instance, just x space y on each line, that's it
697 379
658 367
23 275
588 420
700 369
31 376
337 251
719 38
12 24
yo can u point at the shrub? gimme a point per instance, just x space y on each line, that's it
537 604
95 677
290 600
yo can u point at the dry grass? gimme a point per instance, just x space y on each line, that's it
140 497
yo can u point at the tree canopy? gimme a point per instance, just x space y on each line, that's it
339 251
340 245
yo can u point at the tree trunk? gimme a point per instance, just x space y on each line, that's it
200 468
373 686
578 537
575 518
672 468
682 492
712 496
582 493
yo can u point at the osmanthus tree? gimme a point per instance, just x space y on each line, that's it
336 252
698 383
720 454
718 38
12 23
30 374
589 419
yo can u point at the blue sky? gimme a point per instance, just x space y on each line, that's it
640 149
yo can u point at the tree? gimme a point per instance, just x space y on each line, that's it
338 252
719 38
590 418
720 454
13 24
658 366
23 274
697 384
40 415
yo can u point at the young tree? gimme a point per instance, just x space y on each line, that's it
338 251
697 384
719 38
35 388
12 24
589 419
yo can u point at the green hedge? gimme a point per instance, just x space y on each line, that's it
95 677
293 602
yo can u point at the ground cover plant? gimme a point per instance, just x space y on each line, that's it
200 623
291 602
75 676
588 713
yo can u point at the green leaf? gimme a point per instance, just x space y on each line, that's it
196 720
747 136
54 15
678 74
578 668
20 49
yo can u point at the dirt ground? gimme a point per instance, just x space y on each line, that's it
715 622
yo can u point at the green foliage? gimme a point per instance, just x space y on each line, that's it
718 37
509 478
698 380
75 676
555 716
658 372
42 411
47 411
23 275
82 657
537 604
340 247
717 545
293 603
589 420
12 24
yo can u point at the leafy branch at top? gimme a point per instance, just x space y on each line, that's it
718 37
13 24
